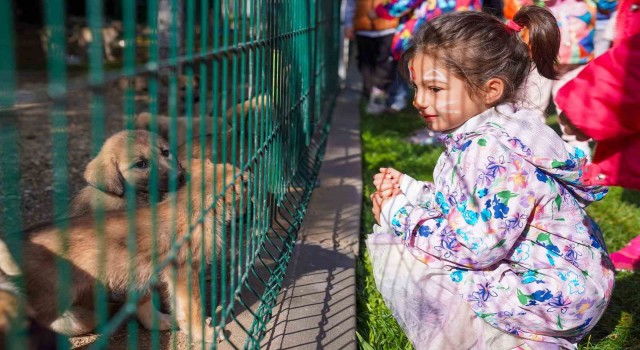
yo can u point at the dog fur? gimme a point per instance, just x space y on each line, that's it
107 173
241 110
43 245
40 338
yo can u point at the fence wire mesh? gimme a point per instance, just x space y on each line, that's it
157 157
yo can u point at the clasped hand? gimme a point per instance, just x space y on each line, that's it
387 183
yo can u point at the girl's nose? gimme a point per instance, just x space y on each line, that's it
421 100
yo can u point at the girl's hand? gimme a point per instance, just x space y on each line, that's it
376 199
379 200
387 180
349 33
570 129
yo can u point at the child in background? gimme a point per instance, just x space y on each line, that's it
610 114
373 39
577 21
498 252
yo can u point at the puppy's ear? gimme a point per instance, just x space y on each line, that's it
105 175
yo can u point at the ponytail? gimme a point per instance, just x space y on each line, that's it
543 38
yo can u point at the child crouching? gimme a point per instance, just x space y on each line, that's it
498 252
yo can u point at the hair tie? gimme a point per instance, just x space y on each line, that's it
513 26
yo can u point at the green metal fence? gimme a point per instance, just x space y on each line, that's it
246 82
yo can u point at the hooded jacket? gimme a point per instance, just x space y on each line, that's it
506 214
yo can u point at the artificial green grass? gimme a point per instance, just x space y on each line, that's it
384 144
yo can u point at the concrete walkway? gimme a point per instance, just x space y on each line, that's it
317 307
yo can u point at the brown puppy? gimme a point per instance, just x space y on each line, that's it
106 176
8 303
8 291
241 110
40 338
108 172
87 259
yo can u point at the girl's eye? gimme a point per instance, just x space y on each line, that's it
435 89
143 164
165 153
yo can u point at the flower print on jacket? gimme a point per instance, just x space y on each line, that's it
509 211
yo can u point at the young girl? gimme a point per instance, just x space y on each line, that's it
498 252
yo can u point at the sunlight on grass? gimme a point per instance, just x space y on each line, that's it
383 144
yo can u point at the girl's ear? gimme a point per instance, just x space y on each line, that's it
494 88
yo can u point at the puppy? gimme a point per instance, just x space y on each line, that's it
106 176
8 291
39 338
242 110
108 172
43 245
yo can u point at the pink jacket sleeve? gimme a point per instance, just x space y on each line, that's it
603 101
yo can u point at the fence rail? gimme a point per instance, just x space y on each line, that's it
137 223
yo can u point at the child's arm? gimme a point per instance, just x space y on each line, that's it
480 214
419 193
349 14
392 9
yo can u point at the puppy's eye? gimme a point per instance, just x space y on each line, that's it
165 153
143 164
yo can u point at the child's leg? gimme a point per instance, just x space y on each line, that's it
423 300
385 65
366 62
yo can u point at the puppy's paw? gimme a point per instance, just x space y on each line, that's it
145 312
164 322
205 333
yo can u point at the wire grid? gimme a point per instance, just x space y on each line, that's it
195 60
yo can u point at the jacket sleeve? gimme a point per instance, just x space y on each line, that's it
603 101
391 9
478 218
419 193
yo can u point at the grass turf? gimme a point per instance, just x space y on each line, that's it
384 144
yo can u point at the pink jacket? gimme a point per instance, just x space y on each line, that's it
603 101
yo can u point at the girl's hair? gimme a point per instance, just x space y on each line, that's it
476 47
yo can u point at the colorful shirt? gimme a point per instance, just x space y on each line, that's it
576 20
506 213
413 13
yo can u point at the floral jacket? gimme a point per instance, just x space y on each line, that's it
413 13
506 213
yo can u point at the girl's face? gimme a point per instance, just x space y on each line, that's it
440 97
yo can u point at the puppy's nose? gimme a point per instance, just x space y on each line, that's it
181 179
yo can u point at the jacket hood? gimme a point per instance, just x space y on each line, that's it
523 131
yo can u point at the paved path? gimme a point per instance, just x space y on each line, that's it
317 308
